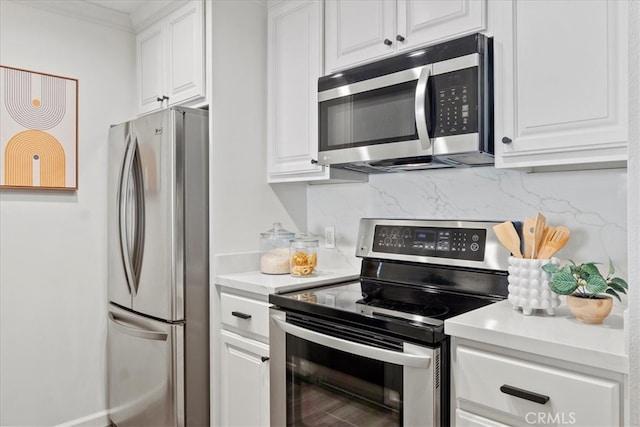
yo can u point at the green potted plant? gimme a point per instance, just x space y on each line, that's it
589 293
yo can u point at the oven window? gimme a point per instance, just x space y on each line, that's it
330 387
374 117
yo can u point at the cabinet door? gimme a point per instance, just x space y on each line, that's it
185 53
467 419
294 65
356 31
426 22
534 393
244 381
561 82
150 45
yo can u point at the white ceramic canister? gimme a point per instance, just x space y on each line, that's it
529 286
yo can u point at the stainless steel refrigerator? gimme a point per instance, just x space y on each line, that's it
158 270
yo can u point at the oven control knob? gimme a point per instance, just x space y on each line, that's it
400 242
474 247
387 241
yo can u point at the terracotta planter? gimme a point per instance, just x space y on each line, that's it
590 310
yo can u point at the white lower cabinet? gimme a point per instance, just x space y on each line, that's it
493 388
244 359
244 381
467 419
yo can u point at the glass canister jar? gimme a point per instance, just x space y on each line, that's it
304 256
274 250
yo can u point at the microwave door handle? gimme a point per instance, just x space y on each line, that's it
389 356
422 114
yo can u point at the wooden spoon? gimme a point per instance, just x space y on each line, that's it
527 234
554 242
538 234
508 236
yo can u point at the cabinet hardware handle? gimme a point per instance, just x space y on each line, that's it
399 38
506 140
159 99
524 394
241 315
388 42
264 358
314 162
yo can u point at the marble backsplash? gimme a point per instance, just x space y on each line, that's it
593 204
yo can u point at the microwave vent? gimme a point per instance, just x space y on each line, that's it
477 158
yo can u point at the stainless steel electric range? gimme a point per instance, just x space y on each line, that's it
374 351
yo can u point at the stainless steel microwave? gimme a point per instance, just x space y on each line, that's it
427 108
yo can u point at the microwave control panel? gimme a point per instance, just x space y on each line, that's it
455 95
456 243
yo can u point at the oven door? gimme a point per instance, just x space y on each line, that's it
325 374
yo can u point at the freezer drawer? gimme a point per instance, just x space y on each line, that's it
146 365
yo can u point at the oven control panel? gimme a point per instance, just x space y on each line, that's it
456 243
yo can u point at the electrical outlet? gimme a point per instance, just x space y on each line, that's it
329 237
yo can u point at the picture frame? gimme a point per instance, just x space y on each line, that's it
38 130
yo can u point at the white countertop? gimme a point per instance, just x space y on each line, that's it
560 336
265 284
241 272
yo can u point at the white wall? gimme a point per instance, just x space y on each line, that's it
52 244
633 330
244 205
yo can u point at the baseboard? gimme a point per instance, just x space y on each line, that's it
99 419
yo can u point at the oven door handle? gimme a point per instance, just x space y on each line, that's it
388 356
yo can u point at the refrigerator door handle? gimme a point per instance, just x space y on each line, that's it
137 332
123 208
139 215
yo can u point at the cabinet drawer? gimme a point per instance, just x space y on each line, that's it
507 384
246 314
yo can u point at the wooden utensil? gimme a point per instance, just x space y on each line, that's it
538 234
508 236
527 235
554 242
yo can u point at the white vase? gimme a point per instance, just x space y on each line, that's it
529 286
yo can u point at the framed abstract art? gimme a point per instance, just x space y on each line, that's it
38 130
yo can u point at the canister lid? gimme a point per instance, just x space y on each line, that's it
277 232
304 240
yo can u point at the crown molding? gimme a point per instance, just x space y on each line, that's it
84 11
153 11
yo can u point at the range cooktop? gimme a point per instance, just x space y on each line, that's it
415 274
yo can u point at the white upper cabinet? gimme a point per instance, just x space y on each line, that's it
294 65
170 57
426 22
360 31
560 83
151 67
